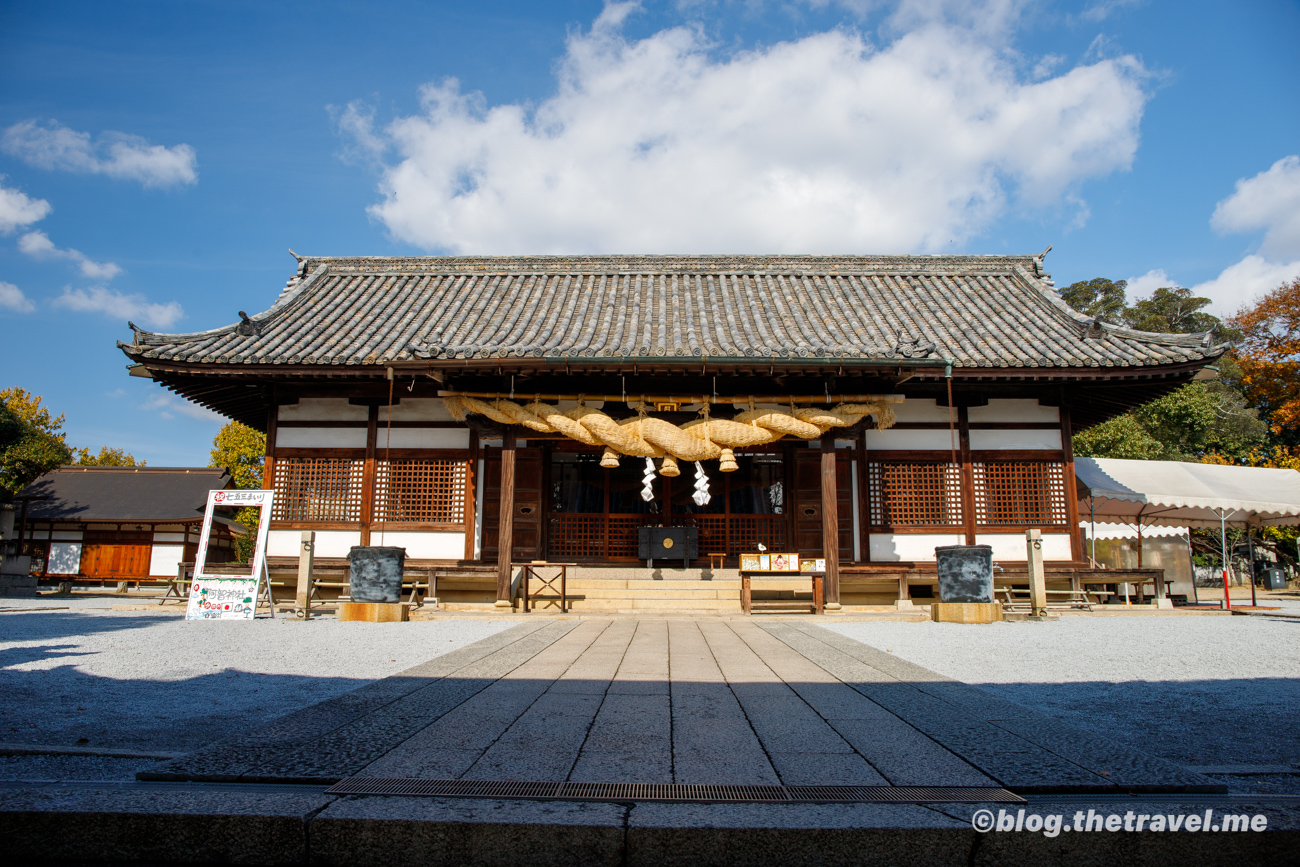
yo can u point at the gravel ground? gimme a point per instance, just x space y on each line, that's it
1202 691
152 681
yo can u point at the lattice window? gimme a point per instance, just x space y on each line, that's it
623 535
318 489
747 531
420 491
578 536
914 494
1020 493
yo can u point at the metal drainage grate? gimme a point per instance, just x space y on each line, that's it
672 792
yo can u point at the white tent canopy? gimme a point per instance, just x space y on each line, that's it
1177 494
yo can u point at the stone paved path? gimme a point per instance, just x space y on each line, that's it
679 701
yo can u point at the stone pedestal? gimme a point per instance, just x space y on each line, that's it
966 612
375 612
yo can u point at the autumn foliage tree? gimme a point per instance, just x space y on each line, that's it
1268 353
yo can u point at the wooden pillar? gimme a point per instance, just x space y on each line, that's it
1037 575
368 475
506 520
306 558
1071 488
830 523
471 494
864 503
967 474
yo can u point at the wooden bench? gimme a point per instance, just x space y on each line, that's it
815 606
1017 599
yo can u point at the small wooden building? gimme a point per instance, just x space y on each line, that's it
403 401
120 523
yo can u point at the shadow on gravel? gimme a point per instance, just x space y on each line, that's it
60 624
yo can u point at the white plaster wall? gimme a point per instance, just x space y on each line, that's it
1011 546
168 537
67 535
424 546
65 558
1013 410
906 440
910 546
921 410
323 409
478 512
37 534
165 559
321 437
329 543
1014 439
417 409
427 438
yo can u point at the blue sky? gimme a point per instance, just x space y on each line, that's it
160 157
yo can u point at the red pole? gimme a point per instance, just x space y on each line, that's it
1227 600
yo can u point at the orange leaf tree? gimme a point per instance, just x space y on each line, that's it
1269 354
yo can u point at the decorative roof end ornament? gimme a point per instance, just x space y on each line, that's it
1039 272
247 327
913 346
1095 330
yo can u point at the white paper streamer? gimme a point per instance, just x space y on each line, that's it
701 495
647 492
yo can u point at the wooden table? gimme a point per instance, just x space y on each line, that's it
818 580
529 571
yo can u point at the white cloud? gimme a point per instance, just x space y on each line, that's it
824 144
167 405
1103 9
1244 282
17 210
119 155
39 246
1142 287
97 299
1270 201
12 298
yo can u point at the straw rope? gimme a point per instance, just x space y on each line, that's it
701 439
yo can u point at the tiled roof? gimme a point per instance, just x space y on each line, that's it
980 311
123 493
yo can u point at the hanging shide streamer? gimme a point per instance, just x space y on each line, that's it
703 439
647 481
701 495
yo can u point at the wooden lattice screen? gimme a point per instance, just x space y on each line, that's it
420 491
318 489
1020 493
914 494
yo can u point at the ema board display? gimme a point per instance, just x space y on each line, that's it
222 597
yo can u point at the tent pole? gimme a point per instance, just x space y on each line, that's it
1223 541
1191 558
1250 539
1092 505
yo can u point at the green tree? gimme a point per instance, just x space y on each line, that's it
107 457
1171 310
241 450
1099 298
1198 419
31 443
1120 437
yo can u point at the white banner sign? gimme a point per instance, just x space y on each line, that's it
222 597
230 597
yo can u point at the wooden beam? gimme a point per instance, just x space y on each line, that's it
506 518
830 522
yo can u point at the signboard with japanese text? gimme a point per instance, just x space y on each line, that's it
214 596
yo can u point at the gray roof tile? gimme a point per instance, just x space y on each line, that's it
981 311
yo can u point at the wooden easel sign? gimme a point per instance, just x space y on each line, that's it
216 596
